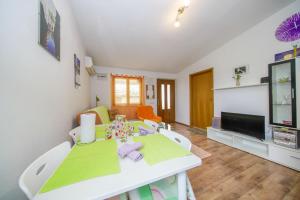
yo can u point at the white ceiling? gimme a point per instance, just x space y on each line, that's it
139 34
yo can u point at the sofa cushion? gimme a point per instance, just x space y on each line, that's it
103 113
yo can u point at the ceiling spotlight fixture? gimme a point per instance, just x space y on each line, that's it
180 12
177 23
187 3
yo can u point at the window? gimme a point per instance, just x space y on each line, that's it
162 96
168 97
126 90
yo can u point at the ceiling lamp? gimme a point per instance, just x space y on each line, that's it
180 12
187 3
177 23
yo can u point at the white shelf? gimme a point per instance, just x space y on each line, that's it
242 86
266 149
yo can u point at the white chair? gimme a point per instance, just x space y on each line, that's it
75 134
180 139
185 143
151 124
37 173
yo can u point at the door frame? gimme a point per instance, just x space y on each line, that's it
211 69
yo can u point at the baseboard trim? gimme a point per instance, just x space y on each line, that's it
182 124
200 129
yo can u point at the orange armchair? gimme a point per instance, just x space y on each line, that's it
146 112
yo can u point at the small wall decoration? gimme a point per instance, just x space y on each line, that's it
76 71
241 69
289 29
287 55
238 72
49 28
150 94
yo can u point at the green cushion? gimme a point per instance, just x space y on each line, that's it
103 113
145 193
168 188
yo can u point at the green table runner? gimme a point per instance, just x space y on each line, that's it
85 162
100 130
158 148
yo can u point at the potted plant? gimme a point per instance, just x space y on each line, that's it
237 77
97 101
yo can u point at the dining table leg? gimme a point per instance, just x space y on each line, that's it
181 180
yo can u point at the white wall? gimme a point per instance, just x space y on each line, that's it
38 101
102 86
255 47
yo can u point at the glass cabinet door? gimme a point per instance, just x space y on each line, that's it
282 97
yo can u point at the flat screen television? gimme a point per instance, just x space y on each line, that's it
252 125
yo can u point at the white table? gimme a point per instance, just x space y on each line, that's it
132 176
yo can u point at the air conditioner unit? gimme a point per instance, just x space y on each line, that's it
89 66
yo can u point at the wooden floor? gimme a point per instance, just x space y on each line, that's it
233 174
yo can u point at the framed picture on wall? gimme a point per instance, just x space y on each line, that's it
76 71
241 70
150 94
49 28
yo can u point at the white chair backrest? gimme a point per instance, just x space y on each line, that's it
37 173
176 137
151 123
75 134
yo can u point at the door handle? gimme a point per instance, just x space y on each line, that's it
293 93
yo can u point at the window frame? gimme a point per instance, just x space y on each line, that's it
127 78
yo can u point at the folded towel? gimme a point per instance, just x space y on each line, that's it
145 131
128 148
135 155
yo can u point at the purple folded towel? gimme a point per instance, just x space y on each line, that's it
128 148
145 131
135 156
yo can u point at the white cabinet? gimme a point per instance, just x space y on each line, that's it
284 156
265 149
221 137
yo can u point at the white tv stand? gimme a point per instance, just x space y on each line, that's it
265 149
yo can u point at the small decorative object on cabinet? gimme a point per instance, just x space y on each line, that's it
237 78
287 54
286 137
284 93
216 123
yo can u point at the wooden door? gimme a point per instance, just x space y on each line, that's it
166 100
201 99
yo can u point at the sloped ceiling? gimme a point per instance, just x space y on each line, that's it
139 34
